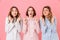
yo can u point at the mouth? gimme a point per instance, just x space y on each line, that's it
30 14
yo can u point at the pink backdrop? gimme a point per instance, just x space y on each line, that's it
22 5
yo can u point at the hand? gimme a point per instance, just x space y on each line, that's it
43 21
25 21
18 19
52 21
10 19
36 20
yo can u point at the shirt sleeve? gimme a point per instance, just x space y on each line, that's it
43 27
19 25
24 29
37 27
53 26
8 25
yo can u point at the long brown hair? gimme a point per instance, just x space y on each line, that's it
49 15
18 14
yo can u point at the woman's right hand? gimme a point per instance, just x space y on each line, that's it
10 19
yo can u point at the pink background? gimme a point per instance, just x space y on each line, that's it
23 5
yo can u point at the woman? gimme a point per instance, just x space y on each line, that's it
30 25
48 25
13 24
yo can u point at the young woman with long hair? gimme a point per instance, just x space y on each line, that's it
13 24
48 24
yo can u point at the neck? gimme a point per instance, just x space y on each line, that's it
46 16
30 17
14 17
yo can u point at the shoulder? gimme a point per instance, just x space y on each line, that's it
6 18
41 18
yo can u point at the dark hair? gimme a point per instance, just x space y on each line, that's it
33 10
18 14
49 15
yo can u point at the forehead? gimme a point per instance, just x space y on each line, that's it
13 8
30 9
46 9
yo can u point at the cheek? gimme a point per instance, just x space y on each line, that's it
28 12
12 13
46 12
16 13
32 13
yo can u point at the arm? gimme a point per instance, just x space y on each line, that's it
19 25
43 27
24 30
37 26
53 26
8 25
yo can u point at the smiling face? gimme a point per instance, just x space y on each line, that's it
14 12
46 11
